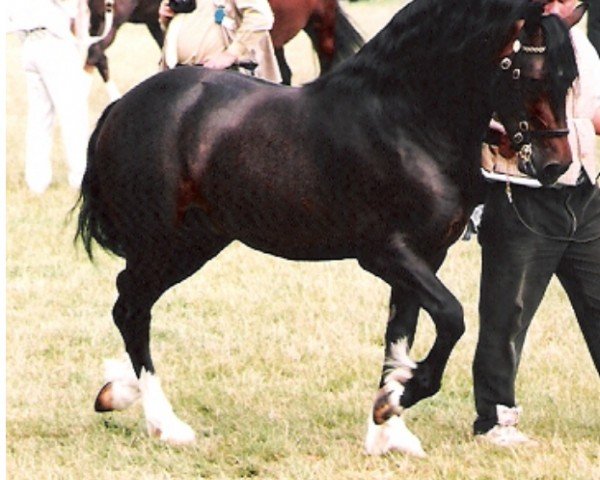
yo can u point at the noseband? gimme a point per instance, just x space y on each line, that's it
521 139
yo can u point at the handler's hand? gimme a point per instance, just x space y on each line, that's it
220 61
164 11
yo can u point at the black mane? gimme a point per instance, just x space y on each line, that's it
428 38
435 64
559 56
432 61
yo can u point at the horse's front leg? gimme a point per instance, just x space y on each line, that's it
404 383
386 430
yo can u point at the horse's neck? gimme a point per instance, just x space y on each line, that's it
440 87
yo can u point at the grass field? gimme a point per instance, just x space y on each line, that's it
273 363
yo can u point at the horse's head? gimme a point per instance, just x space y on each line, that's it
536 71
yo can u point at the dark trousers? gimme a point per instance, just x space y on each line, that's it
517 265
593 25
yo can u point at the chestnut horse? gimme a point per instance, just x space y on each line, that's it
332 35
377 160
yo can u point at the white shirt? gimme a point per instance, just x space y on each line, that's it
582 103
53 15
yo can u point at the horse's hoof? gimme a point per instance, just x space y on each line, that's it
392 436
104 400
117 395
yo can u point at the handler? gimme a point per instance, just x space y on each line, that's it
527 234
220 33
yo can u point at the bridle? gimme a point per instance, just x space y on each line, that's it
522 136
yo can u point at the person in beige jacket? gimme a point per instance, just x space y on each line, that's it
219 34
529 233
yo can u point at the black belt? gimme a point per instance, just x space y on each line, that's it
34 30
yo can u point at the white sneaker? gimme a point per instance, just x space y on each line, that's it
506 437
505 433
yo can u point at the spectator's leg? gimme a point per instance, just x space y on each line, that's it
40 121
65 79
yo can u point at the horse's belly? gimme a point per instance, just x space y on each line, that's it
295 241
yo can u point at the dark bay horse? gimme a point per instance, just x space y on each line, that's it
332 35
378 160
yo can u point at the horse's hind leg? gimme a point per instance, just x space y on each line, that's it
145 278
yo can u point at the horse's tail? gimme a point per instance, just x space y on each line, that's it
93 222
347 39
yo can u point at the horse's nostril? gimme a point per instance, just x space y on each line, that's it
552 171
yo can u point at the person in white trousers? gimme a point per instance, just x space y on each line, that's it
57 86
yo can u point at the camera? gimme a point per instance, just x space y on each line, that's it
182 6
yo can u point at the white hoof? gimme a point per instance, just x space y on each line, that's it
161 421
392 436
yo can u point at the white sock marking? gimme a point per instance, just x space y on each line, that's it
160 419
392 436
125 388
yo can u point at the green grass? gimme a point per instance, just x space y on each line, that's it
273 363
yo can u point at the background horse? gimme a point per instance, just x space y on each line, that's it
332 35
378 160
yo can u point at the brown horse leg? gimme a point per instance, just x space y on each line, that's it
284 68
322 37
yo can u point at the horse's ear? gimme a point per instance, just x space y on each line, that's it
576 14
533 15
